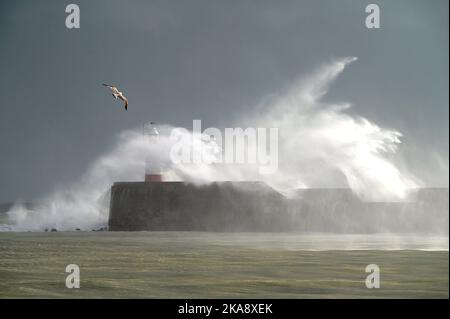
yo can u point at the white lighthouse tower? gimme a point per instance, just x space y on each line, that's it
153 167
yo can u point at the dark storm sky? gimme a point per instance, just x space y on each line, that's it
208 60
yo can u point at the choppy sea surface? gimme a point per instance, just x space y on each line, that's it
222 265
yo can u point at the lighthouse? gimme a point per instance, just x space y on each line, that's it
153 167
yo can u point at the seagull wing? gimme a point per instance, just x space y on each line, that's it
125 100
112 87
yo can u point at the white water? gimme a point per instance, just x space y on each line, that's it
319 145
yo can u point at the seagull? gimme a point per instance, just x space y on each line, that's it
117 94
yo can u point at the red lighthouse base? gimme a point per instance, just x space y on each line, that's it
153 177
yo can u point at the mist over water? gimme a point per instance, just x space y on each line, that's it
319 145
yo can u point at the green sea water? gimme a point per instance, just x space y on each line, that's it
221 265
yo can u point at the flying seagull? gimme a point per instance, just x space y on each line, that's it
117 94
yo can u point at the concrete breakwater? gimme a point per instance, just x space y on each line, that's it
254 206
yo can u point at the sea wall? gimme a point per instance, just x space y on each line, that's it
254 206
425 211
244 206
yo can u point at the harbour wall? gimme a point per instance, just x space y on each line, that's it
255 206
